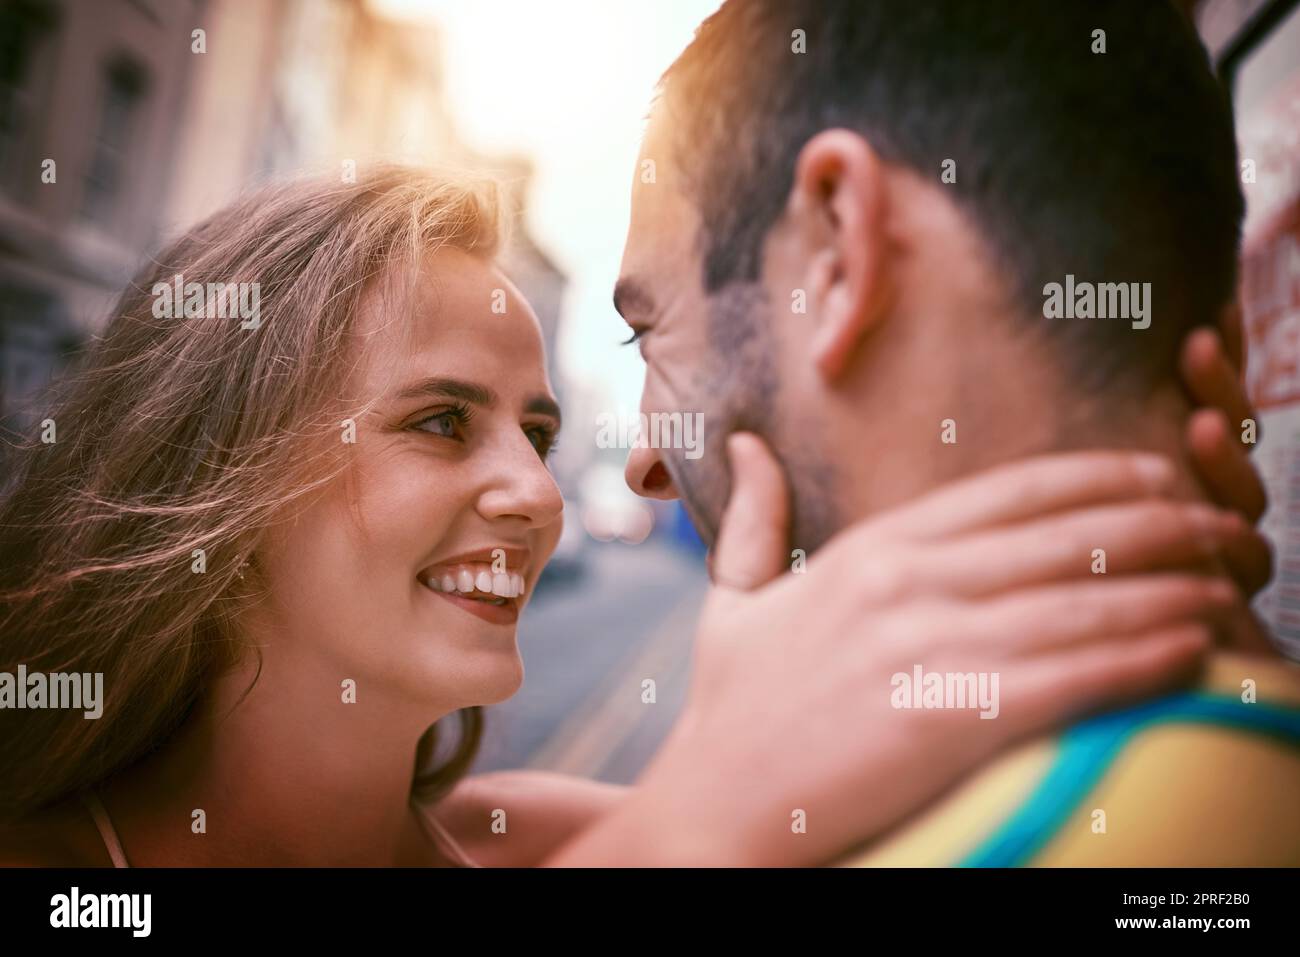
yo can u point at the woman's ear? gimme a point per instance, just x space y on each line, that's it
839 193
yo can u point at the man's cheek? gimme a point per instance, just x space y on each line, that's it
704 485
675 374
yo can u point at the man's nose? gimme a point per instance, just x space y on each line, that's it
646 475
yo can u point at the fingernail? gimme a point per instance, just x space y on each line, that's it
1215 526
1234 522
1223 591
1157 470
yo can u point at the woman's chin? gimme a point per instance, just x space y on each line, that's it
485 675
496 683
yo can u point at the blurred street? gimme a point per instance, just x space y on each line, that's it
587 646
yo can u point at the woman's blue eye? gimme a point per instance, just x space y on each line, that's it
544 441
444 424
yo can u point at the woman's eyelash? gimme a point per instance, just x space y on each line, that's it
460 412
636 334
548 439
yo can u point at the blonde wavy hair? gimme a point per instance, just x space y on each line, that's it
176 435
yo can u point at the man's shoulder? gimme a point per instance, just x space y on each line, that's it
1206 776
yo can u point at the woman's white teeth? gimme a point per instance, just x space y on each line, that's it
480 584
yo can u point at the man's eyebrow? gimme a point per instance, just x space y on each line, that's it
449 388
630 298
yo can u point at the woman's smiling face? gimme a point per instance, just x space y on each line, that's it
409 570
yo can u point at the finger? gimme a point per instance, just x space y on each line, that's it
1211 377
1248 558
1224 465
1109 539
1024 489
1054 689
1052 617
753 536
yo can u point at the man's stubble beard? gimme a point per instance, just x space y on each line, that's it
738 391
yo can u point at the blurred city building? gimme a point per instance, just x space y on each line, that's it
123 121
91 95
1257 48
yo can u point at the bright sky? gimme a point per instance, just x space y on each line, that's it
567 82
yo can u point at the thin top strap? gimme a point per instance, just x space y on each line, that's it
105 825
442 837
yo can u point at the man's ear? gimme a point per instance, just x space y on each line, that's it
839 198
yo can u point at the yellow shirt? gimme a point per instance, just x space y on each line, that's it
1200 778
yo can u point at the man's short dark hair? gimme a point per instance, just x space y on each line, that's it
1114 167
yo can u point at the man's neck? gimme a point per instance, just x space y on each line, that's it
994 428
1156 423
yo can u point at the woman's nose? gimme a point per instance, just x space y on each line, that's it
522 488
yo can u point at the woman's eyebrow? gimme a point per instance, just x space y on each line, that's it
544 405
446 387
474 393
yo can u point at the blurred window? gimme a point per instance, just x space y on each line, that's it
36 343
108 173
25 30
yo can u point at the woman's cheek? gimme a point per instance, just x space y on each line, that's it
408 503
549 540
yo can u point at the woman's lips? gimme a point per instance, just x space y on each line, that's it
505 613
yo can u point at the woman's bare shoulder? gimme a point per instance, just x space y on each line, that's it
517 818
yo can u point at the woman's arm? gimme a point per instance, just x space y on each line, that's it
793 744
675 817
539 811
634 833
